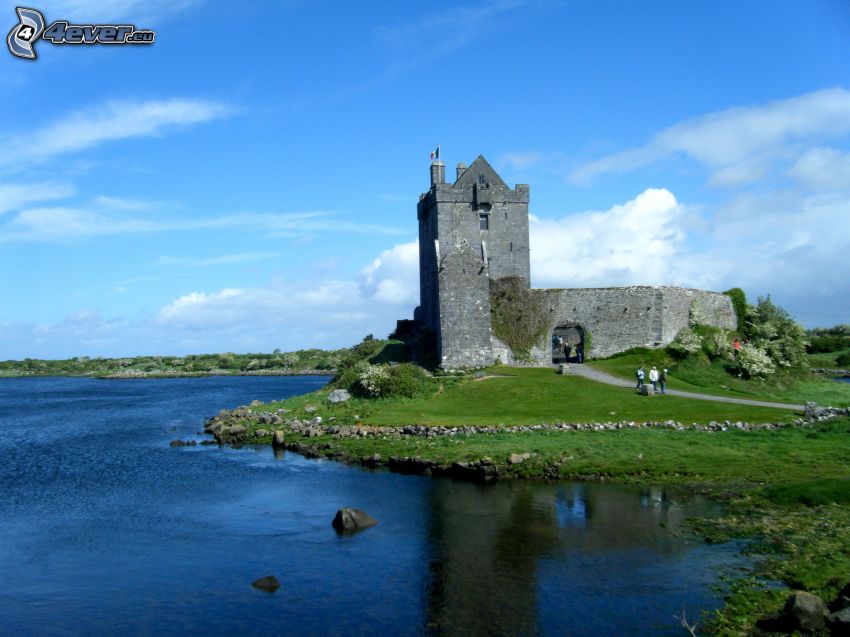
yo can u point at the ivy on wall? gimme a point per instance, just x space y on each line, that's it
519 316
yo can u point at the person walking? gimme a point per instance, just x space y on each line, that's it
662 380
653 378
640 376
567 350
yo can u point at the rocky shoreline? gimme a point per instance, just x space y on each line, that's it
834 373
245 425
131 374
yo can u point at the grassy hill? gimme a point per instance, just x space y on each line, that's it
698 375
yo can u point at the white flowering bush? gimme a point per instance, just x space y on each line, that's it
754 362
372 379
697 315
686 342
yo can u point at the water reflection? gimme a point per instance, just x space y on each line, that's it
493 549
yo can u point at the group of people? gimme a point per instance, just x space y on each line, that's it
561 345
655 377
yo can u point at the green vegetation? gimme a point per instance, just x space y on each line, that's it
309 361
739 303
518 396
829 347
518 316
771 364
698 375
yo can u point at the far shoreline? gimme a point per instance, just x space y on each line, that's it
143 376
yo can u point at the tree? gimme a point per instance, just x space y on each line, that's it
771 329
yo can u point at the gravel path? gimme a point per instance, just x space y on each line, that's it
594 374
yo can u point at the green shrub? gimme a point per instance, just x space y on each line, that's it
843 360
687 342
518 315
813 493
754 362
772 330
827 344
739 304
403 380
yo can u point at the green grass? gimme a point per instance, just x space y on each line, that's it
827 360
704 378
522 396
811 492
792 456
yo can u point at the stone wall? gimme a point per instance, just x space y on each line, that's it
639 316
464 301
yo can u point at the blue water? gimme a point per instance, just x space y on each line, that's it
105 529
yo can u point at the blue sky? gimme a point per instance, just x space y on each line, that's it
250 180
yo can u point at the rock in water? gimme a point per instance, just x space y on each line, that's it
338 396
805 611
352 520
278 439
268 584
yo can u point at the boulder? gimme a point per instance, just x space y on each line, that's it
235 430
338 396
261 433
278 439
805 612
309 409
839 622
352 520
269 584
518 458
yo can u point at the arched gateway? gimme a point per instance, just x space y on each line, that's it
573 334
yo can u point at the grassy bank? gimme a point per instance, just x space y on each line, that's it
510 396
712 378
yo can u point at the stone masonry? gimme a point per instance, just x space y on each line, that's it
476 229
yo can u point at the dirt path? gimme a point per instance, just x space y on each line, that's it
592 373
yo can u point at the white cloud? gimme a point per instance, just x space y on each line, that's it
111 121
736 143
393 277
58 224
225 259
822 169
629 243
443 31
521 161
13 196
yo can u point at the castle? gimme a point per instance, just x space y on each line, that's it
473 234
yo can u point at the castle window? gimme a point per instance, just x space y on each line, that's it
483 222
481 179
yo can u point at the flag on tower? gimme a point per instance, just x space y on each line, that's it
435 154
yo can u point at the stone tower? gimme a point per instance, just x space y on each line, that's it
469 231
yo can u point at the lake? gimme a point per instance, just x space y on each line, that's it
107 530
